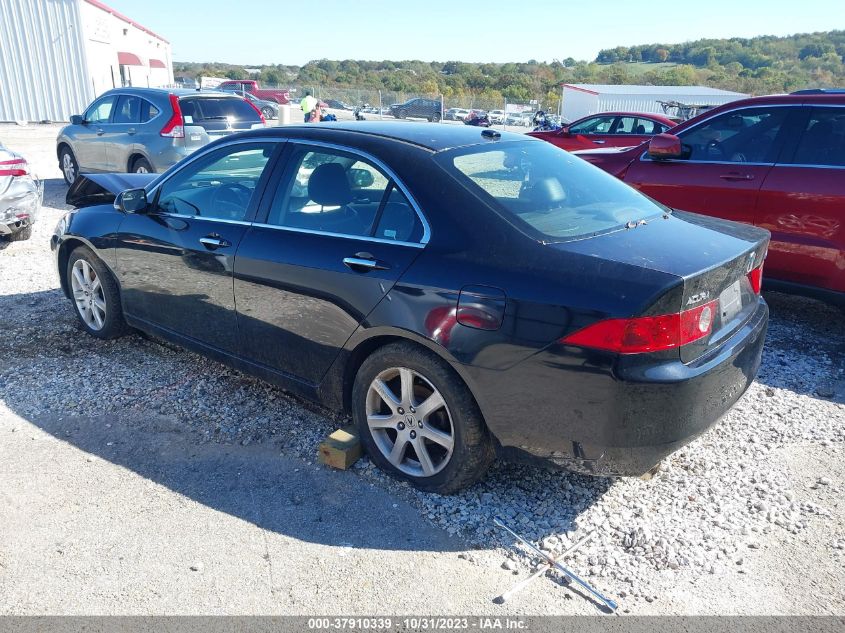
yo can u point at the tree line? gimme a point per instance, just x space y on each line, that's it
759 65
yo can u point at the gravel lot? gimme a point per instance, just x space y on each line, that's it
749 519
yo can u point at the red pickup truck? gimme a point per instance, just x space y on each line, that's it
251 86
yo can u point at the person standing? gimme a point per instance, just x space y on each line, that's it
308 105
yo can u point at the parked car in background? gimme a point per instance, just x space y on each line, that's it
20 196
610 129
455 114
418 108
514 118
458 291
776 162
336 104
148 129
268 109
496 116
251 86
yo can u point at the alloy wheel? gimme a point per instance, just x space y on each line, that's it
68 167
410 422
141 169
88 294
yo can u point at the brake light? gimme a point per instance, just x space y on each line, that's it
647 334
14 167
756 279
260 116
175 126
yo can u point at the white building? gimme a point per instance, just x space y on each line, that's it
57 55
580 100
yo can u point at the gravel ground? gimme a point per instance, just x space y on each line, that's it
743 520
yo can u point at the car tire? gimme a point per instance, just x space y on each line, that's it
20 236
268 113
95 295
68 165
400 114
456 447
435 118
142 166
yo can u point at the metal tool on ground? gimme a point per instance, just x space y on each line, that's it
540 571
610 604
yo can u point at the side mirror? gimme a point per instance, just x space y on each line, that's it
361 178
76 119
132 201
564 131
665 146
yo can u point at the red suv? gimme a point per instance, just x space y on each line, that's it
776 162
609 129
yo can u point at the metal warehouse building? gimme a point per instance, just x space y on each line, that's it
57 55
579 100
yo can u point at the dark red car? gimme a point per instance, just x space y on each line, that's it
776 162
609 129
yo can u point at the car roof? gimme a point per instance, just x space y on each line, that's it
434 137
179 92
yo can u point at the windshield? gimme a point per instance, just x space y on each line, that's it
547 192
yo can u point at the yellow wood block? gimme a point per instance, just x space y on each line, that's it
341 449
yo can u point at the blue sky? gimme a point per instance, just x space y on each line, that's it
287 32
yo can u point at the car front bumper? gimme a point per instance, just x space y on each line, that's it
623 418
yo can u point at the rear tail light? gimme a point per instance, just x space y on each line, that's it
14 167
175 126
260 116
756 279
647 334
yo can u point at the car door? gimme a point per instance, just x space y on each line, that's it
175 261
120 134
802 202
89 143
726 159
588 133
336 236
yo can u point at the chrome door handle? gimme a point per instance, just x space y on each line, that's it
212 242
363 262
736 176
599 141
131 131
100 131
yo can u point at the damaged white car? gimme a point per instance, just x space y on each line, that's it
20 196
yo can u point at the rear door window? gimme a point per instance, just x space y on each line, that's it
148 111
128 109
823 139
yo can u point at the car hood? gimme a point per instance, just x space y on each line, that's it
90 189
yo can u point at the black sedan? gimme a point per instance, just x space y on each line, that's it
462 293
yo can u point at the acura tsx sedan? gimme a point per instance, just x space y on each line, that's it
462 293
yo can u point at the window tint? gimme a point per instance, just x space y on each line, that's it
823 140
545 191
148 111
128 110
595 125
743 136
100 110
218 186
336 192
212 108
647 126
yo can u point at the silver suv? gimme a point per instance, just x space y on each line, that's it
144 130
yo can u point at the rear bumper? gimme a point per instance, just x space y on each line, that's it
622 418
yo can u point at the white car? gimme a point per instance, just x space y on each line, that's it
20 196
496 116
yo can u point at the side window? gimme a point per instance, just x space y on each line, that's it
595 125
336 192
128 109
398 221
742 136
823 139
218 186
100 110
148 111
625 125
647 126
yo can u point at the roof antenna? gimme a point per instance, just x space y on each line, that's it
491 134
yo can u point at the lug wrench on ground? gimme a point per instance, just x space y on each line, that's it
540 571
610 604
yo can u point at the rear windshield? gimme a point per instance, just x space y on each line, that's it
218 109
545 191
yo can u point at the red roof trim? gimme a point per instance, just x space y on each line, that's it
120 16
128 59
156 63
571 87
